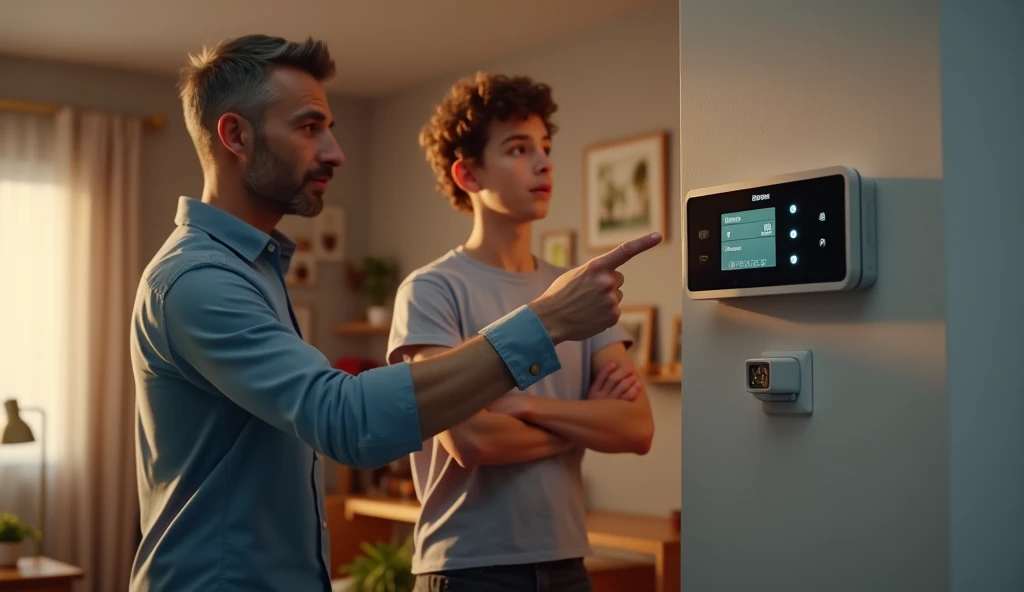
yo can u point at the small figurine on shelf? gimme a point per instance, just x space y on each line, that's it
377 279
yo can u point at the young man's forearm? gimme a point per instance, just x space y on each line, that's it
604 425
450 387
489 439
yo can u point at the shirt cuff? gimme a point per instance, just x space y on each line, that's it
392 413
524 345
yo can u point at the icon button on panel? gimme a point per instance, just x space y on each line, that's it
821 217
702 234
703 258
821 242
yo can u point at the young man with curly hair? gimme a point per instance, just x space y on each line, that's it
503 504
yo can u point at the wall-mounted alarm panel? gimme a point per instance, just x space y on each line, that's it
802 232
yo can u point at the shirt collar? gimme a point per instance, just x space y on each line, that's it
243 238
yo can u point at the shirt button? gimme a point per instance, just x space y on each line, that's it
535 369
323 523
271 248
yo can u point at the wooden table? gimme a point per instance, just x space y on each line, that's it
39 574
611 530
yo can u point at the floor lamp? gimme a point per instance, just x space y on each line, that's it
18 432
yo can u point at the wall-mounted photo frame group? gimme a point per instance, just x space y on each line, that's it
625 189
304 320
302 271
329 234
675 363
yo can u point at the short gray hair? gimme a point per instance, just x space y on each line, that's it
232 77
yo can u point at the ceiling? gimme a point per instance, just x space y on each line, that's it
380 46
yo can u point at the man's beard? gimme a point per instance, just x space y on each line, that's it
271 179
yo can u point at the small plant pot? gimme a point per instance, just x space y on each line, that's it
378 316
9 554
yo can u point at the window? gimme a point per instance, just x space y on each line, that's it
34 280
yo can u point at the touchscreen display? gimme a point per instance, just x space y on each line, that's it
748 239
778 234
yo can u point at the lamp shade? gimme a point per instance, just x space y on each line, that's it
16 431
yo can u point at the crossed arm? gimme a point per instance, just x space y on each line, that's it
605 424
489 438
615 418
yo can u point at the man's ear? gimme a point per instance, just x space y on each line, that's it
235 134
464 175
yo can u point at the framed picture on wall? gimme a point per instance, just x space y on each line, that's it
304 319
638 321
675 363
558 247
329 234
625 189
302 270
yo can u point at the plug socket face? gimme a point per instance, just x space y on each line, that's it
782 381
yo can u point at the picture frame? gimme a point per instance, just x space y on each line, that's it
675 362
329 234
304 319
302 271
558 247
625 189
638 322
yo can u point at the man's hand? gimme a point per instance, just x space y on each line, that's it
584 301
614 382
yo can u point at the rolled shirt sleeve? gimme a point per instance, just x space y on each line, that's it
221 330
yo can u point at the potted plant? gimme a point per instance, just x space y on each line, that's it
12 534
383 567
377 279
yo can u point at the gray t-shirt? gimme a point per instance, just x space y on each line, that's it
492 515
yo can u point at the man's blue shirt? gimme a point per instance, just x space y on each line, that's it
234 411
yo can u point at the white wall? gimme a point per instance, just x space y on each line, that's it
854 497
983 206
612 81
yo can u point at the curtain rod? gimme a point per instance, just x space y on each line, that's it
152 121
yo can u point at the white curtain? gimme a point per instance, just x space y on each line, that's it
69 229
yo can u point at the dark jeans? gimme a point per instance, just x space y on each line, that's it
568 575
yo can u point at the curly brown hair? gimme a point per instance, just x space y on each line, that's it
458 128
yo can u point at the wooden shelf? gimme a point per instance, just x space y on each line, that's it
360 328
648 535
638 533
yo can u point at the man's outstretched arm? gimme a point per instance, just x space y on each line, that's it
218 326
613 425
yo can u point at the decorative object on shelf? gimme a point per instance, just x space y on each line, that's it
397 481
355 364
302 273
304 320
558 247
638 321
377 279
12 534
329 234
18 432
625 189
383 567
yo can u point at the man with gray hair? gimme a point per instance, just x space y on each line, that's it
234 409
